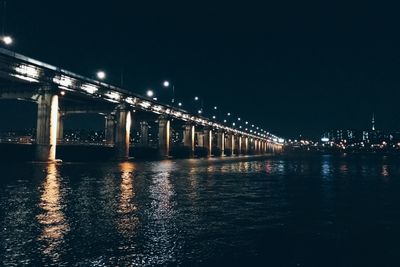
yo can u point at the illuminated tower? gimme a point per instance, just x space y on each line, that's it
373 122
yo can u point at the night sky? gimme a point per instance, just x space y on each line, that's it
291 67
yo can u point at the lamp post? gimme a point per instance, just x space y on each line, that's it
167 84
200 111
6 39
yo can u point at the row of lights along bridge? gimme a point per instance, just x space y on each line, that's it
227 118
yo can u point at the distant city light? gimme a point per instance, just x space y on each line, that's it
196 98
180 104
166 83
215 107
325 139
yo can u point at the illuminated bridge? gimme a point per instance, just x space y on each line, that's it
59 93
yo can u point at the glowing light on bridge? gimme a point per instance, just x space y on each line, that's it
27 73
63 81
113 96
145 104
90 89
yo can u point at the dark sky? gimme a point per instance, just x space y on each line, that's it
292 67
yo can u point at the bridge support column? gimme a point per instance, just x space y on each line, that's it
46 128
200 139
251 145
122 132
239 145
144 133
109 129
188 138
208 141
232 143
257 146
164 137
245 145
221 141
60 127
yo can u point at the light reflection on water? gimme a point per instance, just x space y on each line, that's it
51 218
201 212
127 221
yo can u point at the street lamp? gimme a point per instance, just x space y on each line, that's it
101 75
167 84
150 93
196 98
180 104
7 40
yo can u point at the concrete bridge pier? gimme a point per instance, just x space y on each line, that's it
200 139
46 128
60 126
232 143
239 145
144 133
208 141
251 145
227 142
221 141
164 134
246 145
122 132
109 131
188 138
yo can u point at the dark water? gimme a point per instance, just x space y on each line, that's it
318 211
